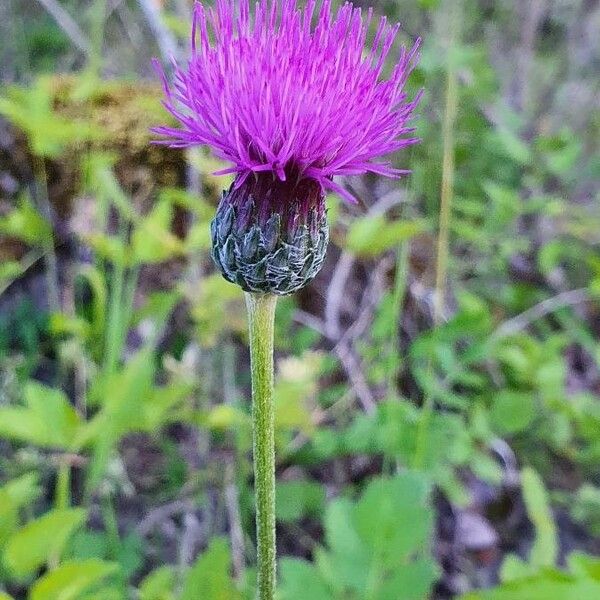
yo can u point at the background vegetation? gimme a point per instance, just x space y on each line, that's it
438 418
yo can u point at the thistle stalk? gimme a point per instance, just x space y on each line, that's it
261 319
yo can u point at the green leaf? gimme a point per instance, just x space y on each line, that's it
152 240
410 582
393 514
32 545
108 247
105 593
9 517
14 495
160 409
545 546
583 565
514 568
548 585
485 467
130 554
97 284
23 490
123 396
31 110
300 579
380 543
296 499
48 420
349 554
71 579
25 223
158 585
209 578
514 147
373 235
506 201
512 411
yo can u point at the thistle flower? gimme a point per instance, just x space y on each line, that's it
291 98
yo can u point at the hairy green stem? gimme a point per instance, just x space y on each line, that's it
261 319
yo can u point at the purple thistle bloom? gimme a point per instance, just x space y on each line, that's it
291 94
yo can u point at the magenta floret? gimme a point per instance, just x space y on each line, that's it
290 90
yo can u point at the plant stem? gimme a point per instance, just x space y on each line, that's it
454 10
63 484
447 168
99 14
400 282
114 335
50 259
261 319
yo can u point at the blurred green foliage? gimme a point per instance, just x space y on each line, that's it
80 401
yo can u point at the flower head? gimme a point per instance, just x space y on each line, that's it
292 93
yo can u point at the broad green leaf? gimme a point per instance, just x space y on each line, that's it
71 579
161 407
217 307
583 565
122 397
87 544
514 568
14 495
380 544
514 147
209 577
102 180
158 585
348 553
48 420
23 489
585 508
393 516
300 579
9 517
32 545
369 236
411 581
297 499
31 110
152 240
506 201
105 593
561 151
130 554
25 223
54 411
198 237
108 247
485 467
512 411
545 546
189 201
548 585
